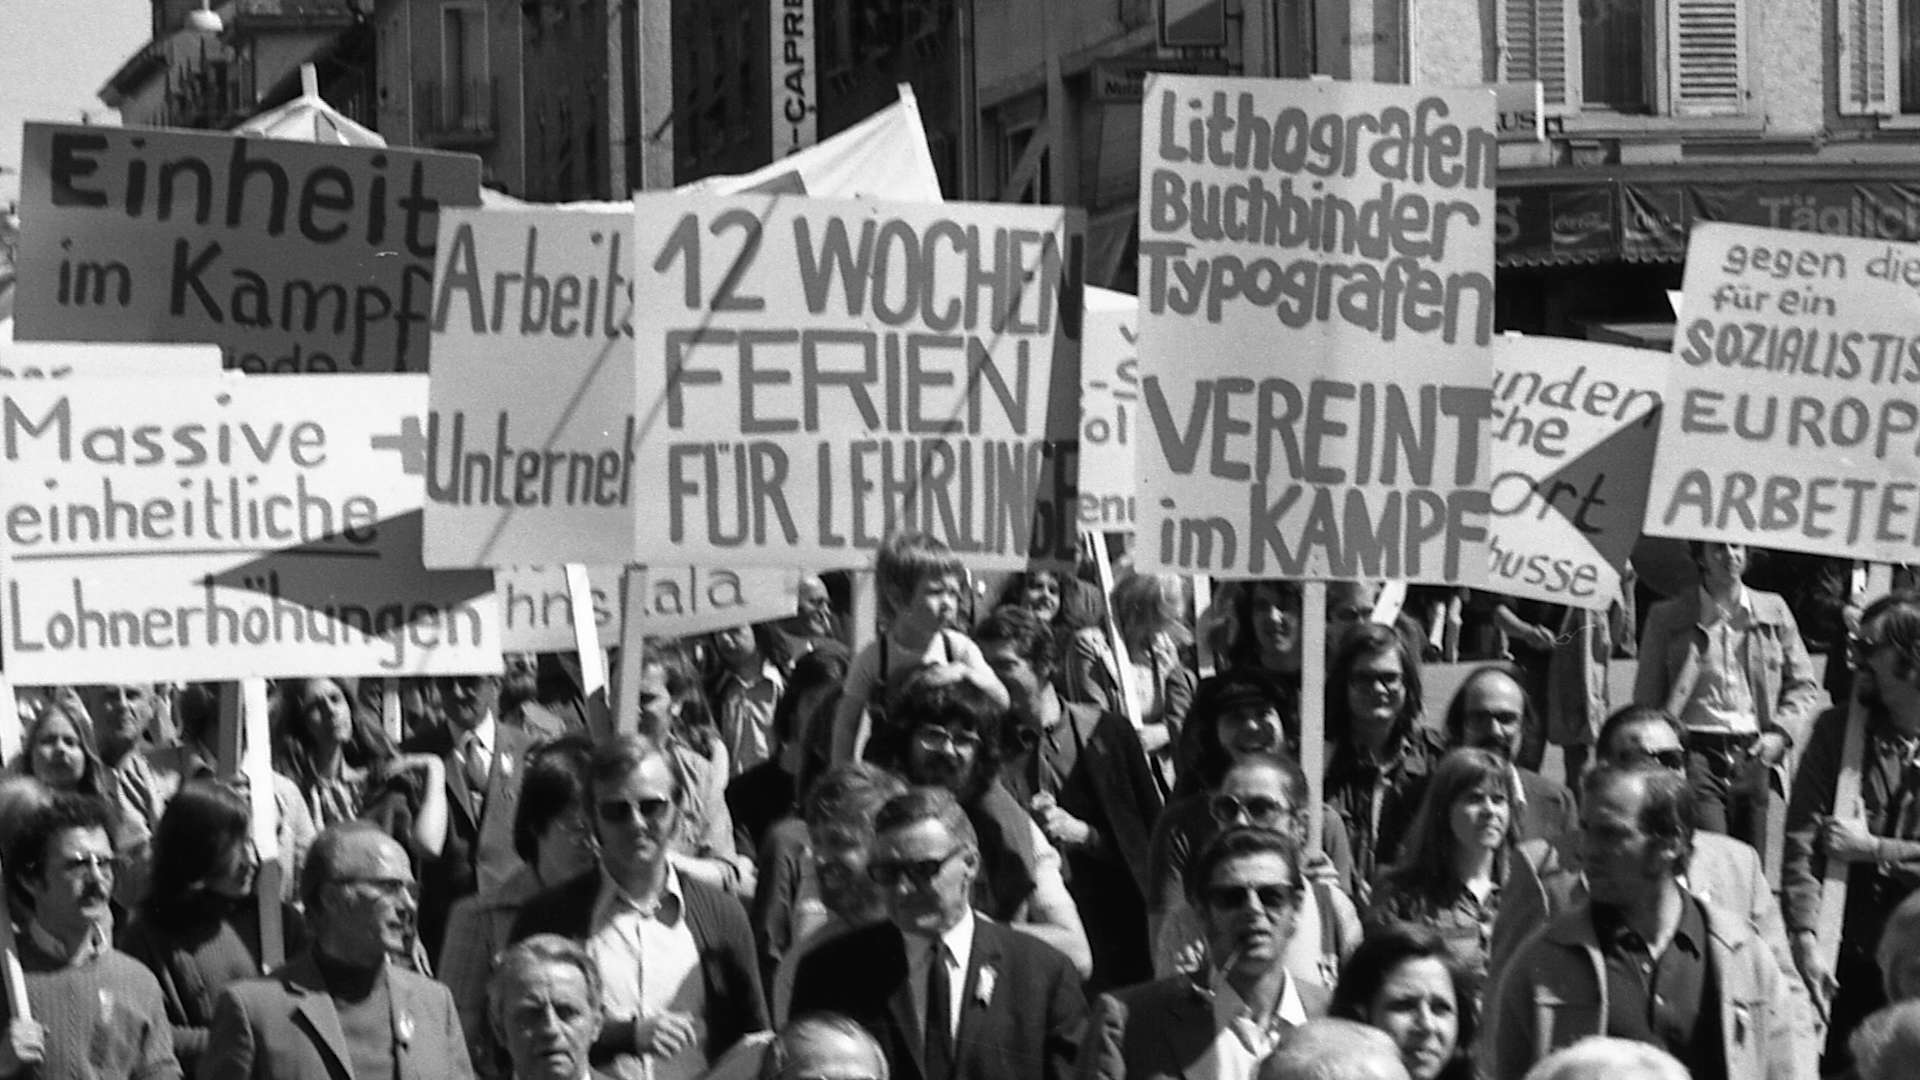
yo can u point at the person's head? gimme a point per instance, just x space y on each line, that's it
636 791
1373 684
519 677
954 731
1266 791
1020 647
196 711
1349 604
672 694
1898 953
1467 808
1602 1057
1266 617
1636 833
202 845
1405 980
1145 605
21 796
62 863
1887 1043
553 822
925 857
323 712
805 708
125 712
746 643
1490 711
1043 592
359 894
1720 565
1643 735
1335 1049
1246 886
61 752
467 700
823 1046
814 609
1886 656
917 581
839 812
1240 712
543 1000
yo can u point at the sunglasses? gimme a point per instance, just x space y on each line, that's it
624 812
1261 810
1235 897
921 872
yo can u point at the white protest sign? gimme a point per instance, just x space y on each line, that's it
1316 275
816 374
1791 420
529 438
169 529
1109 411
65 360
1573 434
538 615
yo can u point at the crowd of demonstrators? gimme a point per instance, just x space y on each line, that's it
987 844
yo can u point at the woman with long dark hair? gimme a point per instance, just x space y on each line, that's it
347 768
1405 981
1149 613
199 928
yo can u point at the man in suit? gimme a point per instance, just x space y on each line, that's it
948 994
544 1003
483 758
1492 711
1084 777
342 1008
678 981
1217 1023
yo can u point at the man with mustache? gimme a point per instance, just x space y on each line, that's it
1491 711
97 1013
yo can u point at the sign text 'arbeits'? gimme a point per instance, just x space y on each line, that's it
1316 269
821 373
293 257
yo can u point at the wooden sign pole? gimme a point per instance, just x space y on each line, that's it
633 606
12 731
1313 699
1117 642
256 760
593 662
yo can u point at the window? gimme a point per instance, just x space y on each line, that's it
463 67
1879 57
1666 57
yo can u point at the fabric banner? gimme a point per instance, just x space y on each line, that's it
1316 269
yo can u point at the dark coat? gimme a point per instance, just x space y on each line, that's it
479 854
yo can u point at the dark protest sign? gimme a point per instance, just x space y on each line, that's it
292 257
223 528
1791 417
1316 302
814 374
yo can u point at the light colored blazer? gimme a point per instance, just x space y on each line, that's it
285 1027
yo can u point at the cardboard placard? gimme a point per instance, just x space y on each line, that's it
292 257
816 374
27 360
537 610
164 529
1316 301
1109 411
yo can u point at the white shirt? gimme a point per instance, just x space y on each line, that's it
1722 698
959 952
1242 1041
649 964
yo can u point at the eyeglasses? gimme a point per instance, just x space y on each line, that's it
1261 810
624 811
931 737
74 865
921 872
1233 897
1487 716
1367 680
1675 759
388 888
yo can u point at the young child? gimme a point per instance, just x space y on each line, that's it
918 583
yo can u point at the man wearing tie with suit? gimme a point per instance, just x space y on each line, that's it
949 994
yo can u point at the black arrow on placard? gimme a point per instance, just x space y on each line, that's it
337 569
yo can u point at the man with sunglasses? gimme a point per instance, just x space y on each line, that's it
676 960
343 1005
1219 1021
949 994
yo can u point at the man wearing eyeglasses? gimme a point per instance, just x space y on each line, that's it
1492 711
343 1006
62 861
948 993
1219 1021
679 982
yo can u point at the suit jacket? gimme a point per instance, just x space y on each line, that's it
285 1027
479 855
735 1006
1549 812
1024 1022
1162 1029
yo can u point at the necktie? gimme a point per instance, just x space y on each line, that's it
477 767
939 1015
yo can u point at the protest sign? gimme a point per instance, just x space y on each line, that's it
1316 300
292 257
1109 411
816 374
1573 434
537 613
66 360
1791 419
223 528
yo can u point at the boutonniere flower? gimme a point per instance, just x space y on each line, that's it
403 1029
983 986
506 766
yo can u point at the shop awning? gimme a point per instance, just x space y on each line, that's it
1563 217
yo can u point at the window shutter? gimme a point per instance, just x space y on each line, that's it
1708 43
1869 57
1535 46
